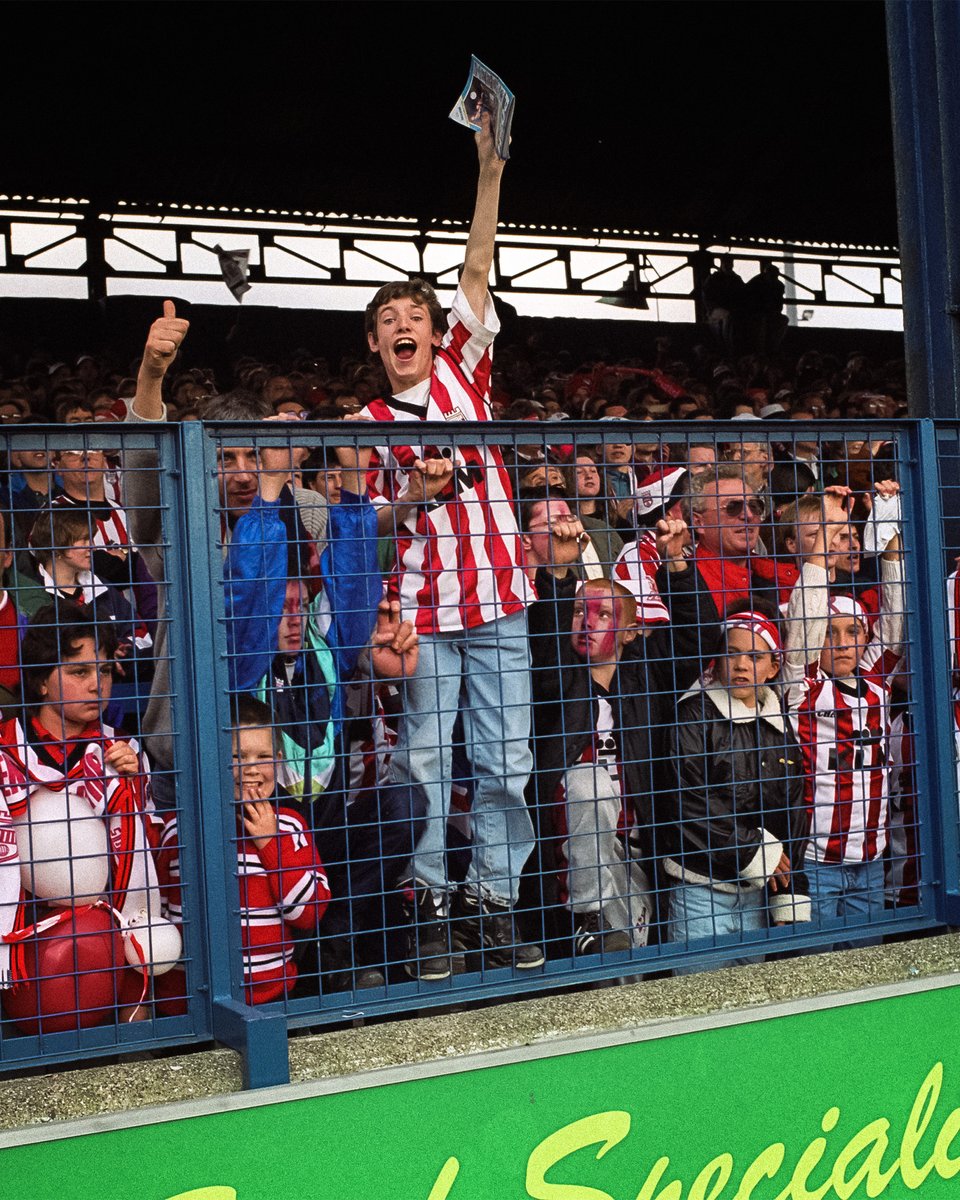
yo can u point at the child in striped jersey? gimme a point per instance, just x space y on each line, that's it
282 881
837 684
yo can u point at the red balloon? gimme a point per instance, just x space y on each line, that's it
76 976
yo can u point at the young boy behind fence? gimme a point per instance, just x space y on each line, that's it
282 882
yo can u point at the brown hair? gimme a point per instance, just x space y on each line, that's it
417 290
59 528
806 509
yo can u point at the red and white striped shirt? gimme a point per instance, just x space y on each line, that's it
458 556
636 568
843 727
109 527
33 761
902 868
843 724
953 617
283 883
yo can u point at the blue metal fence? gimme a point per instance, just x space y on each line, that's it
186 522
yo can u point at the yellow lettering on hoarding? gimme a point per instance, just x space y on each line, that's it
715 1176
767 1163
859 1164
606 1128
857 1168
873 1138
946 1166
216 1192
920 1117
445 1180
796 1189
672 1191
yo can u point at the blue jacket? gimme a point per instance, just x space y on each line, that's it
255 582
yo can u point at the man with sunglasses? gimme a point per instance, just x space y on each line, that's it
726 515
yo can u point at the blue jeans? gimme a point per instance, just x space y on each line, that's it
701 913
484 673
849 891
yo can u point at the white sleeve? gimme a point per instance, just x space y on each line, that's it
805 627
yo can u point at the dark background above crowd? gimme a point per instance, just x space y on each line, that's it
722 119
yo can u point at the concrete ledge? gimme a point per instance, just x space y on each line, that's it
543 1023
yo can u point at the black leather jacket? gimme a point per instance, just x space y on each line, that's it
729 799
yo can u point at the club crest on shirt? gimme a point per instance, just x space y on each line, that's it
456 415
8 844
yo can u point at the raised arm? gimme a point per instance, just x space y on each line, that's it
805 624
478 258
163 345
889 629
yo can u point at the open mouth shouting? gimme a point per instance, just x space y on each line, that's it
404 338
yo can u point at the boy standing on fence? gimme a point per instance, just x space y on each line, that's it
458 575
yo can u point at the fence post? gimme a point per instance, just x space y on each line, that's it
931 687
260 1036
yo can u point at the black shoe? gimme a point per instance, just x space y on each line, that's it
593 933
339 971
483 926
428 939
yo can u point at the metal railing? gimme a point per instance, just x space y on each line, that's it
193 508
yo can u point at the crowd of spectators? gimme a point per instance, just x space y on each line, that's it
493 699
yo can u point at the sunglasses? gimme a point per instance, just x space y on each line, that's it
734 508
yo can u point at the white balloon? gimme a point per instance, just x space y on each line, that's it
159 939
64 854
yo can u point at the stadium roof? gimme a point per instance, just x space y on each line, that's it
761 119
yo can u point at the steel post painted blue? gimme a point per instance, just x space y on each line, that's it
929 666
235 1024
924 82
184 705
946 28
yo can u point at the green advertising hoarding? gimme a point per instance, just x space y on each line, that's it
859 1100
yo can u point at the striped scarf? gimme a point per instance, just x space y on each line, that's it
31 759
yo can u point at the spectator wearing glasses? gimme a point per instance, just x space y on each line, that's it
14 408
726 514
29 487
88 485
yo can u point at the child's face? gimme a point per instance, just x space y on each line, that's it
747 665
405 340
843 647
290 634
254 763
588 477
597 631
845 548
77 690
79 555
